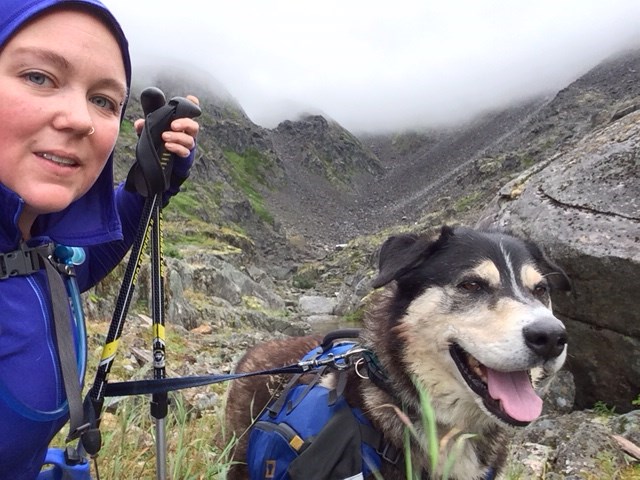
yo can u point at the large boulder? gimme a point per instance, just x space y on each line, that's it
583 207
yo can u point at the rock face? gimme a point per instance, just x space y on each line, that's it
574 446
325 148
583 206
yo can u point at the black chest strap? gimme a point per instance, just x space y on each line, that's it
23 261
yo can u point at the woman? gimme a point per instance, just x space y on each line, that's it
64 79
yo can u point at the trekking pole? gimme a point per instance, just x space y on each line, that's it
150 176
152 100
159 401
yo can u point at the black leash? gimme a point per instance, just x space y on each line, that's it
338 362
165 385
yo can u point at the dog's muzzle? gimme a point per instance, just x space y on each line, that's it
508 396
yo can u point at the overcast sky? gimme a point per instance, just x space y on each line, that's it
380 65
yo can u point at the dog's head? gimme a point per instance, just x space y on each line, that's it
473 315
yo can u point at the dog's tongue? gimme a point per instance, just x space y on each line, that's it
515 393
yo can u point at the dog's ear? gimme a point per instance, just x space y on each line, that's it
557 278
396 254
401 253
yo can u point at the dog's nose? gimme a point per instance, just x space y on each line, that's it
546 337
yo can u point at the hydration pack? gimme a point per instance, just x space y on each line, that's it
310 432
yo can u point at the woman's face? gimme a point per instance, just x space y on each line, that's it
61 77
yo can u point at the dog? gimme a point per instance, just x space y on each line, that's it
465 316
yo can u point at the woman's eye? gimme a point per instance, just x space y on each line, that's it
36 77
104 102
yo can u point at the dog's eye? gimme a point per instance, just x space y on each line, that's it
470 286
540 290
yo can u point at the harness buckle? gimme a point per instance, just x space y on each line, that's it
390 453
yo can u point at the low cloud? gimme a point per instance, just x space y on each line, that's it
381 66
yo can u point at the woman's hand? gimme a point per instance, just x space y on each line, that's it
181 139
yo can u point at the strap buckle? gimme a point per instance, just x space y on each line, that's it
389 453
78 432
23 261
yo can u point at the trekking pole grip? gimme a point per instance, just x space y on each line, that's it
151 173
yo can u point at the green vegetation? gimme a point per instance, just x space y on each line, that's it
610 469
526 160
467 202
356 317
306 277
442 454
194 446
196 201
249 171
127 129
172 251
601 408
338 174
191 219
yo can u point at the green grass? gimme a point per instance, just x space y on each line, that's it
601 408
127 128
355 317
467 202
306 277
442 455
194 446
248 171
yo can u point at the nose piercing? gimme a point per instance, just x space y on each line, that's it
91 132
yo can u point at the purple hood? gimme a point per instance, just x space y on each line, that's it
93 218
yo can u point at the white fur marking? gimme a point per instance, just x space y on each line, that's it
512 275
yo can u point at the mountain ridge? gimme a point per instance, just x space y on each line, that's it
312 178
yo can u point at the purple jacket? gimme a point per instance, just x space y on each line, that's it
104 222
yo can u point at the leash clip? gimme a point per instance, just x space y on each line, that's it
342 361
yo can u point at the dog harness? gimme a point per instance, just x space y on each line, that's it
334 442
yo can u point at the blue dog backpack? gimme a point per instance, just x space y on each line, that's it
310 433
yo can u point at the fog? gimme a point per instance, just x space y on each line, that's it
380 66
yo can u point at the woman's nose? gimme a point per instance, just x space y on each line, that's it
73 114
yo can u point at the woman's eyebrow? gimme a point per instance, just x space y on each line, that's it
46 55
118 87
